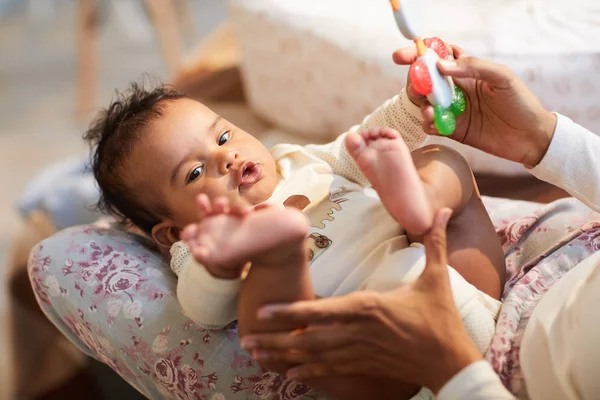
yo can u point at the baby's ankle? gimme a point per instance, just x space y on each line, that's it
292 255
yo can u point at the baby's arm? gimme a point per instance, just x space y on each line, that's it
398 113
207 300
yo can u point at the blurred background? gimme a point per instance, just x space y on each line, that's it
42 111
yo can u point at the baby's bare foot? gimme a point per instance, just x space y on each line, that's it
227 240
385 160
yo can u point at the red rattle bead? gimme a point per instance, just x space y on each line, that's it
438 45
420 78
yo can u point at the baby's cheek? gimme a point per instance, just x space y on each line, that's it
185 211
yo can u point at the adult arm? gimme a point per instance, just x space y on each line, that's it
572 162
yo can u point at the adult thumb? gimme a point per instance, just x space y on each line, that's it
476 68
436 252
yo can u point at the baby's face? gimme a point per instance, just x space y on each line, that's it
191 150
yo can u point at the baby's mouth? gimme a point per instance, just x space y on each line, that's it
250 173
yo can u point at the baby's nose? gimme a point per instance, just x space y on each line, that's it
227 161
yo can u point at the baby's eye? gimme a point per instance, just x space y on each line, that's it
195 174
224 138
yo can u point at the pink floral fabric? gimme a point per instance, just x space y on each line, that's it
541 244
115 299
112 296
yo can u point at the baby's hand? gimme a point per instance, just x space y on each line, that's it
208 239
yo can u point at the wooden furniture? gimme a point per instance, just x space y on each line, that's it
166 17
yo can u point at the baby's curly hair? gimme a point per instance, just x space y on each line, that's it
112 136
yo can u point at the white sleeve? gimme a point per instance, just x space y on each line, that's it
208 301
398 113
477 381
559 353
571 162
401 114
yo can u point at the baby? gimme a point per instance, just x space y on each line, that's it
354 209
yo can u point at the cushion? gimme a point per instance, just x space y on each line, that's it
318 67
114 298
65 191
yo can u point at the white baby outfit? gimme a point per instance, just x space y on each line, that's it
354 243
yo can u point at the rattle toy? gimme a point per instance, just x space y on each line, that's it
448 100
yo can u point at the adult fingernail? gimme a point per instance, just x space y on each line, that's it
293 374
265 313
260 355
448 64
446 214
248 343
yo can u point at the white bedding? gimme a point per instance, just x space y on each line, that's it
316 67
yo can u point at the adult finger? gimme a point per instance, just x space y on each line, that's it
476 68
408 55
429 129
427 113
328 369
405 55
457 51
436 252
414 96
280 356
314 339
345 354
358 305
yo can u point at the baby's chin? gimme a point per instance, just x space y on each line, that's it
259 195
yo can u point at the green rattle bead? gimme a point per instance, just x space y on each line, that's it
443 120
459 104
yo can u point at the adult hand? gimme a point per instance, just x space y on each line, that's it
503 117
413 334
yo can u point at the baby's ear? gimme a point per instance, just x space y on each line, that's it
164 235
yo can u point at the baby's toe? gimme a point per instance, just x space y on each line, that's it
389 133
355 143
201 254
203 203
221 205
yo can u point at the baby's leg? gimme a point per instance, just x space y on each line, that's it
474 249
413 186
385 160
272 240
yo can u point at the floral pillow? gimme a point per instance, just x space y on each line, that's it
115 299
